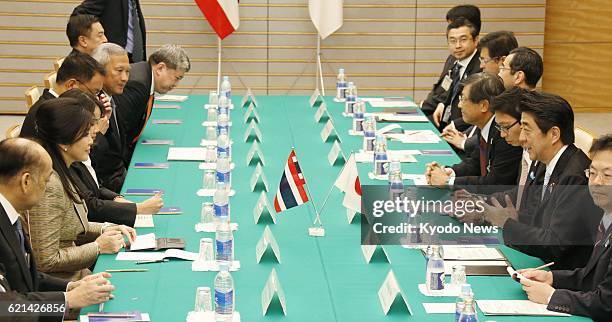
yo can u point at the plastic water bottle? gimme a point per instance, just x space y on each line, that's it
469 312
223 144
381 162
341 85
221 204
224 244
351 98
224 294
358 116
226 88
223 169
435 271
222 124
466 290
223 106
369 134
396 184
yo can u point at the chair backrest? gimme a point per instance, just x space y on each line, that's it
584 139
50 80
58 63
32 95
13 131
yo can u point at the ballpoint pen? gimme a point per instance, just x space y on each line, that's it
151 262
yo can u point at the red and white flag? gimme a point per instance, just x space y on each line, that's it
222 15
326 15
348 182
291 192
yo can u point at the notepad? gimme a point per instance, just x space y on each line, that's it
172 98
115 317
515 307
416 136
170 211
397 155
167 106
155 256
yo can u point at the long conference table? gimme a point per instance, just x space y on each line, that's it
324 279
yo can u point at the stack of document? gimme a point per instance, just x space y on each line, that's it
171 98
115 317
477 259
416 136
515 307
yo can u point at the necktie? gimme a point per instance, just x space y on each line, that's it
522 182
114 108
20 236
138 50
600 233
455 76
545 185
482 144
146 119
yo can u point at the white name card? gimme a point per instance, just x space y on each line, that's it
328 130
335 153
350 215
389 290
249 99
249 132
258 176
271 288
255 150
263 204
266 241
316 99
251 114
369 250
320 112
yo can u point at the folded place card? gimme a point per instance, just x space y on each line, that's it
211 192
335 153
167 106
142 192
170 211
369 250
249 99
151 165
389 291
329 131
144 221
251 114
350 215
187 154
315 99
263 207
157 142
271 288
321 113
253 131
259 176
255 150
266 241
167 122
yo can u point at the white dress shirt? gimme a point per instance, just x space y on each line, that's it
550 167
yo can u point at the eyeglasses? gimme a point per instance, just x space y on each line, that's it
485 61
89 89
505 129
461 41
592 175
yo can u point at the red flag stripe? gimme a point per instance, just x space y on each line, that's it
299 182
216 17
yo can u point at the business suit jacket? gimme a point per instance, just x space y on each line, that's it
132 104
24 278
99 200
560 231
108 156
114 18
586 291
503 163
438 94
56 224
28 128
473 67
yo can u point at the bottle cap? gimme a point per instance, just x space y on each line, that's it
466 289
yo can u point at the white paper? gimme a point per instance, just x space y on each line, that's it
514 273
263 203
436 308
205 142
417 179
211 192
272 286
322 109
212 166
396 155
390 117
350 215
389 290
215 106
212 266
387 128
144 317
383 103
255 150
140 256
334 153
369 250
213 123
372 99
171 98
144 221
446 292
327 130
187 154
472 253
146 241
417 136
515 307
211 227
266 241
448 265
315 98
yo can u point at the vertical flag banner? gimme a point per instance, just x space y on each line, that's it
291 192
326 15
348 182
222 15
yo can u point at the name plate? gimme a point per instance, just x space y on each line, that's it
255 150
249 99
321 113
253 131
335 153
271 288
251 114
263 207
389 291
266 241
257 175
315 99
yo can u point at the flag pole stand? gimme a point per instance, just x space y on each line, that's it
317 229
218 65
331 188
319 77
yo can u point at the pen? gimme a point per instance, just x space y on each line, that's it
151 262
127 270
544 266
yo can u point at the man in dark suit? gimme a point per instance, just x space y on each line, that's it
107 155
587 290
25 167
85 33
164 70
558 232
495 162
123 23
523 68
78 71
438 93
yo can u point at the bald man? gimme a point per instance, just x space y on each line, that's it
25 168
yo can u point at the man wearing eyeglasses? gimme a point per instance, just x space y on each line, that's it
77 71
523 68
587 290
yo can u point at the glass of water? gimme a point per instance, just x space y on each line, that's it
213 98
206 250
203 300
207 214
458 276
210 179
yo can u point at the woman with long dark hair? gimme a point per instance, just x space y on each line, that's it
64 242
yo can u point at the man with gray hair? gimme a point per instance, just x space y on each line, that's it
164 70
107 155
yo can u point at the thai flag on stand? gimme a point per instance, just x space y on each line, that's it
291 192
222 15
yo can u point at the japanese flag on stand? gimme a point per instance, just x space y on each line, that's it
222 15
326 15
348 182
